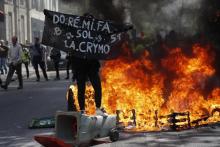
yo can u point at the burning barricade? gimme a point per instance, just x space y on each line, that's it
171 96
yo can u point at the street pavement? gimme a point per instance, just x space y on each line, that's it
36 100
43 99
200 137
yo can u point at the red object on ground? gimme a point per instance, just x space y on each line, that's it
51 141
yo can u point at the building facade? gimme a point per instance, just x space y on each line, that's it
24 18
37 16
75 7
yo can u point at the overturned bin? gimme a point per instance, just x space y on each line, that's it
74 128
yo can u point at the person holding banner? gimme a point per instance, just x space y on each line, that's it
37 56
88 69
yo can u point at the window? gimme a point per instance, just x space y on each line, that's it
9 1
22 2
54 5
34 4
22 37
42 5
10 26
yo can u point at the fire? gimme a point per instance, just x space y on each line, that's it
131 83
178 85
189 82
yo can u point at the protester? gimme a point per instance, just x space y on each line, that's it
88 69
26 59
55 56
69 65
15 60
3 57
37 57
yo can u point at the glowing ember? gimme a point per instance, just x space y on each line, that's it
179 85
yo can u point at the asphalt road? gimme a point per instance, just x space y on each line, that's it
18 107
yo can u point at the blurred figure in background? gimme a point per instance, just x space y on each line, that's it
26 59
3 57
55 56
37 57
15 60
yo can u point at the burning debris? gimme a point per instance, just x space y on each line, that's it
136 85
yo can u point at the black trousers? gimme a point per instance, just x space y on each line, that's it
0 81
56 66
27 69
38 61
68 65
12 69
81 77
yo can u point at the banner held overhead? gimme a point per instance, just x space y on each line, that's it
86 37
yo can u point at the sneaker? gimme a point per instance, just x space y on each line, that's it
38 80
67 78
101 112
82 111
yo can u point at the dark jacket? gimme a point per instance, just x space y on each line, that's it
36 50
85 65
4 53
55 54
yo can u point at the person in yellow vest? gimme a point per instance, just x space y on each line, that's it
26 58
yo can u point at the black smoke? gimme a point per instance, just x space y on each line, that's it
210 23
